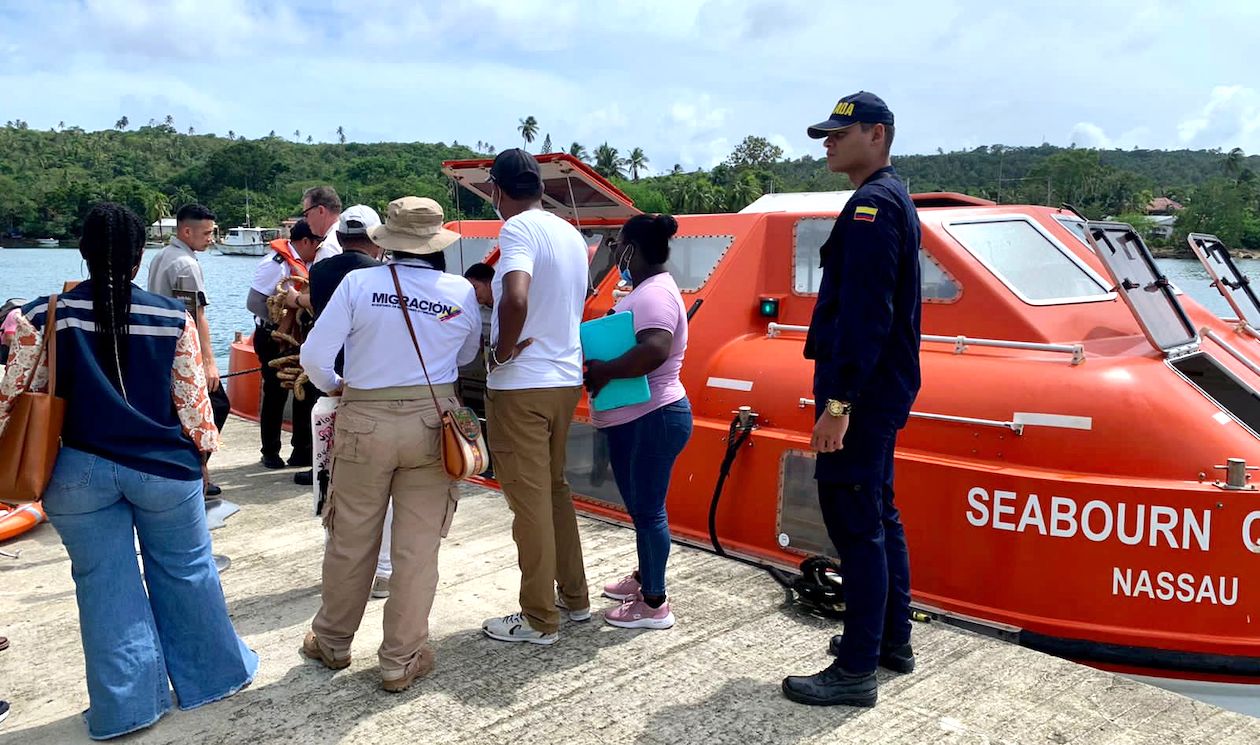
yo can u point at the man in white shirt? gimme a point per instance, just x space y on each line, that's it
321 207
533 387
292 256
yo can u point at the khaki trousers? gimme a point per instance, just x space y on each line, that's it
529 430
383 448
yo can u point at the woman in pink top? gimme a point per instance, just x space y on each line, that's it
645 439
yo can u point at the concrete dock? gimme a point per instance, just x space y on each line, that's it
713 678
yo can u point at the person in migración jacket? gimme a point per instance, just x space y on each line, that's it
388 435
138 418
864 340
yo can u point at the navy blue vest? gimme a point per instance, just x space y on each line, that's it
141 432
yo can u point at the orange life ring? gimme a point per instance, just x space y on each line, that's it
16 519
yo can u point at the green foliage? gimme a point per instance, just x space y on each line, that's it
48 179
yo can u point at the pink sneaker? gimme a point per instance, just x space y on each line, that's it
636 614
623 589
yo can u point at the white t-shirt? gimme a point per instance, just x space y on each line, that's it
553 253
363 316
271 269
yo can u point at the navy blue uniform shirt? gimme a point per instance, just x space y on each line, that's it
864 335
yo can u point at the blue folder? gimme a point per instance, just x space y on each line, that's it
608 338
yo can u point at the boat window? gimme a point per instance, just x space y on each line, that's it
1076 226
1028 261
466 251
693 258
936 285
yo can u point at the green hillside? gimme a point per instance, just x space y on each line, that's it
49 178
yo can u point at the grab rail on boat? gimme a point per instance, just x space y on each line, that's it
962 342
1016 427
1209 333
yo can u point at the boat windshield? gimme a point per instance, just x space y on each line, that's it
1032 264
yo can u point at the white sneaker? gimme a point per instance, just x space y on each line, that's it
574 615
380 587
515 628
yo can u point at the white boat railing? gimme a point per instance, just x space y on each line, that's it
1016 427
962 342
1209 333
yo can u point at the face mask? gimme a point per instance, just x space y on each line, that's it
624 266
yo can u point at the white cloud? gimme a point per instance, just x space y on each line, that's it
1230 118
1087 134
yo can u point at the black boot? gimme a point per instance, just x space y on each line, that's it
832 687
899 659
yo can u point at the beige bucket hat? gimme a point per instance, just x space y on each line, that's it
413 225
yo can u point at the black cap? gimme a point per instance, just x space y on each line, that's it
302 229
853 108
516 172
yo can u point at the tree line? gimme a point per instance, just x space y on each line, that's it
48 179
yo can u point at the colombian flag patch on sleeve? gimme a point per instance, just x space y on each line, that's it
865 214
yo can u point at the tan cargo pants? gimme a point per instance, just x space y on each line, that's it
528 432
387 442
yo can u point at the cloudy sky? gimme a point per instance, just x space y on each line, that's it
683 79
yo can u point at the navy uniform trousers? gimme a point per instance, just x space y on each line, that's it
855 492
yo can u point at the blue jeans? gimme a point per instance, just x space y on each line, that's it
134 641
642 453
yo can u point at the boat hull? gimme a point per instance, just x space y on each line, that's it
242 249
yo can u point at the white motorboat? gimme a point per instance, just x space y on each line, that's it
243 241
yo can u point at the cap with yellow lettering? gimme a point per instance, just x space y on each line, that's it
854 108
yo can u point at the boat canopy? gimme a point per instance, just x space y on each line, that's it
571 189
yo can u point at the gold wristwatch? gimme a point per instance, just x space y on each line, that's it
838 408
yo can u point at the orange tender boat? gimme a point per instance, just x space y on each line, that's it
1065 480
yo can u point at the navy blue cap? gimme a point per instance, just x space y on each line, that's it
516 172
857 107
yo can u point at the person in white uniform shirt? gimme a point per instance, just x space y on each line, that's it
321 207
388 435
532 389
292 256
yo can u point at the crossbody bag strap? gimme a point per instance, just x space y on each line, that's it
52 344
402 305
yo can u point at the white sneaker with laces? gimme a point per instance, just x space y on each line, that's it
574 615
515 628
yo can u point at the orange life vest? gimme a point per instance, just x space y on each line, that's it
296 268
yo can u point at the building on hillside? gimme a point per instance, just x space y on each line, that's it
1163 206
162 228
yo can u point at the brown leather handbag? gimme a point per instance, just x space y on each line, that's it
464 450
29 445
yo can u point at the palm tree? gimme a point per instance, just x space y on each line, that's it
546 146
297 135
637 162
341 135
122 123
61 125
743 192
169 121
191 131
528 130
677 169
608 163
231 135
1233 163
579 152
309 139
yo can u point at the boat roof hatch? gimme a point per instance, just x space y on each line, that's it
1145 289
571 189
1233 285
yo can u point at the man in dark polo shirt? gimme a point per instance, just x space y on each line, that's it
358 252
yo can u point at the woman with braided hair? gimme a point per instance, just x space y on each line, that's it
138 419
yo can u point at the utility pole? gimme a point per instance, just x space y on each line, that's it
1047 190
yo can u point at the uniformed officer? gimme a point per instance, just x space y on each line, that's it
864 340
